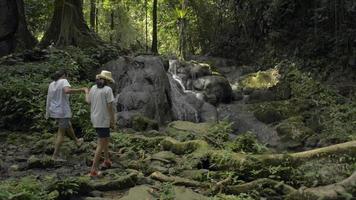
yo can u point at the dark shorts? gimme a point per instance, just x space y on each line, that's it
63 122
103 132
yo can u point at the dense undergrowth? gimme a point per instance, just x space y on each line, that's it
25 78
305 111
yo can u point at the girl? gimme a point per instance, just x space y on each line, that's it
101 100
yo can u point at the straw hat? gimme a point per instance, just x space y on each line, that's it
105 75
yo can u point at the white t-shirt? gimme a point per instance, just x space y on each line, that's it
57 100
99 99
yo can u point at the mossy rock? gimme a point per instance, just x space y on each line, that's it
142 123
140 192
196 174
269 115
108 184
164 156
293 132
274 111
184 130
2 166
260 79
34 162
183 193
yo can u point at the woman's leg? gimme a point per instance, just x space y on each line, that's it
71 134
58 143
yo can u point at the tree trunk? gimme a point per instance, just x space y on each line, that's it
146 23
68 26
182 35
182 40
8 26
97 17
92 14
112 26
154 48
13 28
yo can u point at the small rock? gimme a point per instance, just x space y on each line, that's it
96 193
14 167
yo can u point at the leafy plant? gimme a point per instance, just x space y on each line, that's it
247 143
167 192
219 132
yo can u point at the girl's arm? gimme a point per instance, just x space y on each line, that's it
47 105
112 115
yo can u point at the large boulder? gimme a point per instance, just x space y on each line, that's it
217 88
143 88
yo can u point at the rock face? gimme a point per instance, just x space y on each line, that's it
142 87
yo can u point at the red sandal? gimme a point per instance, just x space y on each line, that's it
95 173
106 164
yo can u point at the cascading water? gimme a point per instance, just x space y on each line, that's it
182 110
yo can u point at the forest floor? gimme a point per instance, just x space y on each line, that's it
295 140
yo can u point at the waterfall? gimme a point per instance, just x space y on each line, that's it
180 107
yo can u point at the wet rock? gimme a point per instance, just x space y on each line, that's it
165 156
157 166
116 184
143 87
96 198
142 123
184 130
208 113
237 95
183 193
198 70
140 192
261 95
196 174
96 193
2 166
268 115
214 86
14 168
293 132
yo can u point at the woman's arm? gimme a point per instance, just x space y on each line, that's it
87 97
69 90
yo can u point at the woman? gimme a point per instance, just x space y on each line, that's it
101 100
58 107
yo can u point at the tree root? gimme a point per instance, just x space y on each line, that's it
257 184
345 189
121 183
175 180
221 159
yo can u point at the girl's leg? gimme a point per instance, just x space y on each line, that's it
106 149
58 143
97 155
